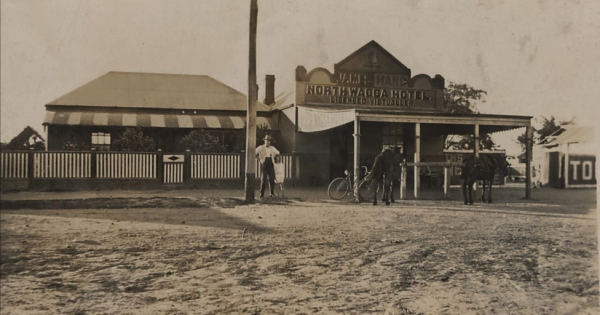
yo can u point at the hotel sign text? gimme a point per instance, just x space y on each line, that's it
370 96
372 79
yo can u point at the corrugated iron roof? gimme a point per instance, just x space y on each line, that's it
157 91
575 134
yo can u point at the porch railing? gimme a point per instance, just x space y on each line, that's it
417 166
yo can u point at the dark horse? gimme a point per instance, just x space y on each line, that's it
483 168
386 170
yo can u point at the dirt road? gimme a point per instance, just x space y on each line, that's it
303 257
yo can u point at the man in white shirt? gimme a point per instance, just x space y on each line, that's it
266 154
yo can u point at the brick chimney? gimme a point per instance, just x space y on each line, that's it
269 89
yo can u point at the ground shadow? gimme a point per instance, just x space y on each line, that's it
208 212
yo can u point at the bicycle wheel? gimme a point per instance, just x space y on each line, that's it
367 190
338 188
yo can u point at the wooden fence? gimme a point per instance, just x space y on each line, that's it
166 168
125 165
290 162
14 164
216 166
62 164
174 173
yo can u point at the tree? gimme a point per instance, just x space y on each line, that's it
74 146
25 140
201 141
549 126
463 99
467 142
133 139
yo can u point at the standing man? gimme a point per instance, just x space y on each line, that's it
266 154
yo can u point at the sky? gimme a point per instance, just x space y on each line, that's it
535 58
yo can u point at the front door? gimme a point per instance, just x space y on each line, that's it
554 170
338 153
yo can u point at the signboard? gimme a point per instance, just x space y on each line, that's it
174 158
369 77
381 80
582 170
457 156
368 96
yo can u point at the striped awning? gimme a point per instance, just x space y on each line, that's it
152 120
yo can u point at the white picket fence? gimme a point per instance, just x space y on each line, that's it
13 164
173 173
62 165
287 161
125 165
215 166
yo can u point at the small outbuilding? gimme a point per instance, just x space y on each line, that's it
566 158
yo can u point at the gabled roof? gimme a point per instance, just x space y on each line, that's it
281 101
569 134
373 46
157 91
575 134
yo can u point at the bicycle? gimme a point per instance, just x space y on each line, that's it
343 186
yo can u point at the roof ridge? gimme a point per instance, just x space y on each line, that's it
194 83
236 91
225 85
158 73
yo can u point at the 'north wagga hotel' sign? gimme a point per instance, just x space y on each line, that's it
346 95
370 77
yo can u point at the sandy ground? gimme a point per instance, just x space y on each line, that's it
217 255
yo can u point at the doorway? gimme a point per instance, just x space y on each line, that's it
554 170
338 152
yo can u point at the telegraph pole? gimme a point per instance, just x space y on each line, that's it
251 112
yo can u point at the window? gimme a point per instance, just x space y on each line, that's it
101 141
393 136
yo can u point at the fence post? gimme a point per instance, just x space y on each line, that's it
30 168
160 173
93 167
294 167
446 182
242 165
187 167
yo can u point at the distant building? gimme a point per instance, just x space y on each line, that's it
566 158
165 106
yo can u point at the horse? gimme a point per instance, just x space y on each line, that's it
386 170
483 168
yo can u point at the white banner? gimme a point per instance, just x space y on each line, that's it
313 120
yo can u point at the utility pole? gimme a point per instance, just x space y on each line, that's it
251 112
